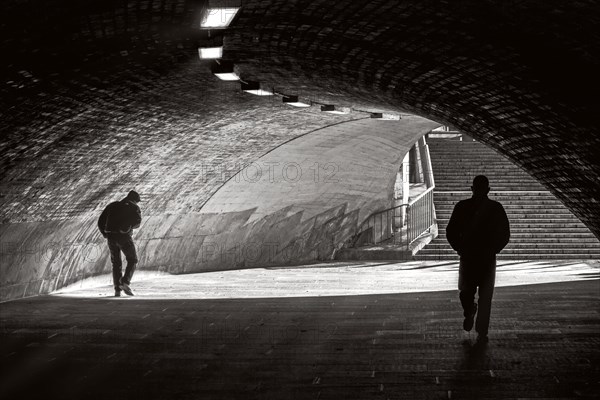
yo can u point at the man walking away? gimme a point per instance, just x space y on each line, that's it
116 223
478 230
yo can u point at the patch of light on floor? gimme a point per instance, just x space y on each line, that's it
334 279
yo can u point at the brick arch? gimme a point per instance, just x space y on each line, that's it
100 96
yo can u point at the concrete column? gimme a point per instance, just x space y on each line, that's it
405 187
416 174
402 191
426 162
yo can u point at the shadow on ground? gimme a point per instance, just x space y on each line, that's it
543 343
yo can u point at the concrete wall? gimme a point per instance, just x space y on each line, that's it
255 218
304 199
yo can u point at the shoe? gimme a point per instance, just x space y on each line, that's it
125 287
482 339
468 322
117 293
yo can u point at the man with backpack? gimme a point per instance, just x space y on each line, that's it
116 223
478 230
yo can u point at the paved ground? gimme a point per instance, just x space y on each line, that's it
259 334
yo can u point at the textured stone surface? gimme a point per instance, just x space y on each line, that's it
325 344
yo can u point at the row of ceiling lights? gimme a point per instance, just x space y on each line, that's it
218 15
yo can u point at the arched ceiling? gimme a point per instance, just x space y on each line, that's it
90 86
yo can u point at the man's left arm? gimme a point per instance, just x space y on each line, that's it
454 228
503 229
137 219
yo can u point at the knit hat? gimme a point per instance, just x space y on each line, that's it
133 195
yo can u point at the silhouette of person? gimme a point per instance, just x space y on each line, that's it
478 230
116 223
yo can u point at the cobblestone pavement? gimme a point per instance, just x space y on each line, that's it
321 344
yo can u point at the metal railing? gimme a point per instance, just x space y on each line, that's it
380 226
421 215
403 223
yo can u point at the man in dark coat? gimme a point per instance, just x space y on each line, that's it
116 223
478 230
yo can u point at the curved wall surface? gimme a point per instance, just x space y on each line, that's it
297 203
303 200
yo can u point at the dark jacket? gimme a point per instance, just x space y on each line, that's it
478 227
120 217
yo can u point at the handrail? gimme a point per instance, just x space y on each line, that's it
382 211
416 220
380 226
398 206
410 203
421 216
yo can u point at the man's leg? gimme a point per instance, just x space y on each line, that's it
486 291
131 256
467 288
117 265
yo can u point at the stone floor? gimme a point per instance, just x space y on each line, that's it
333 331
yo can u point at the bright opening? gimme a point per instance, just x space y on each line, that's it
218 17
207 53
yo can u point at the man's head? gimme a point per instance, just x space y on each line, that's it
133 196
481 186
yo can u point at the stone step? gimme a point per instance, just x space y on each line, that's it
463 163
506 186
435 245
496 193
514 208
469 166
512 203
474 155
536 232
467 185
516 223
448 168
495 182
445 215
527 238
531 201
454 257
462 149
584 250
525 254
541 235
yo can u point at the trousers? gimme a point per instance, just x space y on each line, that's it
117 243
477 273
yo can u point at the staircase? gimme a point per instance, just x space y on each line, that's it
541 226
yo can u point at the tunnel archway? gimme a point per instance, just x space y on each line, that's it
115 95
